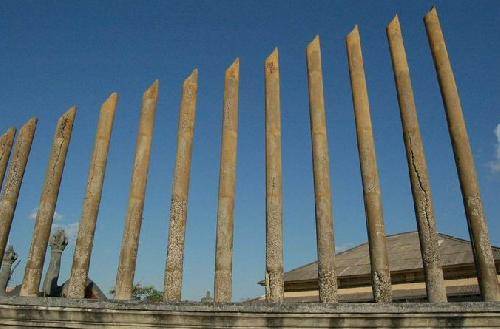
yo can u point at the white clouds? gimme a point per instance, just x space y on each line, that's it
495 164
57 216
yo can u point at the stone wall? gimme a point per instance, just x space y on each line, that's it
19 312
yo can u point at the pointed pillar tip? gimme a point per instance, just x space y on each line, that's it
193 77
70 113
9 133
273 56
432 11
315 43
152 90
354 33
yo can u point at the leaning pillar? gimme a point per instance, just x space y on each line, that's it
274 182
476 219
58 243
227 188
179 202
381 275
47 206
6 141
10 192
86 230
130 242
327 280
417 168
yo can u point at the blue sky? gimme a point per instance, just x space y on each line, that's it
60 53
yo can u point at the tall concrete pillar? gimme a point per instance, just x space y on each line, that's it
58 243
47 206
8 260
6 141
274 182
130 242
417 167
227 188
327 279
10 192
86 230
476 219
179 202
372 194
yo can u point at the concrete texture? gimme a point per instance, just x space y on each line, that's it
6 271
322 183
10 191
227 188
417 167
133 222
466 169
47 206
372 194
178 212
274 182
18 312
86 230
6 141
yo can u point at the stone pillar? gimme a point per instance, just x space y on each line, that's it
130 242
372 194
86 230
227 188
327 279
8 260
6 141
10 192
47 206
179 202
274 182
58 243
417 167
464 160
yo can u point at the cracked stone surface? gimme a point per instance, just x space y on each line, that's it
8 260
464 160
180 191
227 188
274 183
84 243
10 192
372 194
321 166
417 167
47 206
58 243
133 221
6 141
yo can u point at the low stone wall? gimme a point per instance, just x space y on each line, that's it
18 312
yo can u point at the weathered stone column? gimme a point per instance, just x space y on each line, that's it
58 243
417 167
372 194
86 230
179 202
8 260
130 242
464 160
47 206
274 182
10 192
227 188
327 279
6 141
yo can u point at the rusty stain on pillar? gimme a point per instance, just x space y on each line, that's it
47 206
466 169
10 192
227 187
327 279
133 221
372 194
180 191
6 141
274 182
417 167
86 230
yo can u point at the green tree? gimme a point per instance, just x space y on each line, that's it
146 294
